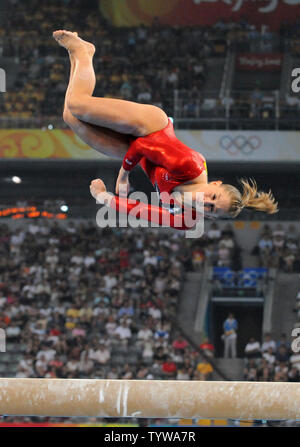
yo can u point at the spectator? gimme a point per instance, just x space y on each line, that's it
47 353
126 309
227 241
169 367
269 356
214 233
198 258
295 361
147 350
155 313
111 325
207 347
100 354
161 342
127 373
180 343
72 366
41 365
230 327
161 332
177 356
293 375
283 342
282 354
265 370
159 354
123 331
250 372
223 255
86 364
288 259
144 334
205 370
281 372
22 372
183 374
268 343
142 372
278 231
26 365
252 349
112 374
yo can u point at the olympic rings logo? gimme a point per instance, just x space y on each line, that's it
240 143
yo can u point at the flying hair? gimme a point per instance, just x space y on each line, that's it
250 197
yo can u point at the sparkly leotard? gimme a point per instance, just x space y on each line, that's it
168 163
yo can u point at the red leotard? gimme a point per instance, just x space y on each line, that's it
168 163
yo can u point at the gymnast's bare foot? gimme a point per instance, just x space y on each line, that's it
74 44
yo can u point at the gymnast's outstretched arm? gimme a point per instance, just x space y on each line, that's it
143 211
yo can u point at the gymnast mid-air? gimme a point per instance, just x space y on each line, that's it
143 134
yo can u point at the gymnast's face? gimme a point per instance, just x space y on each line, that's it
216 199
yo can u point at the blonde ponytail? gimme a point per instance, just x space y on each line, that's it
250 198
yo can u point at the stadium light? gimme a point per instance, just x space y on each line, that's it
16 179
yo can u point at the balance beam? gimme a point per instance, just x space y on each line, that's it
149 398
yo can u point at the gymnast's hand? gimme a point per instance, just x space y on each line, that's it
122 184
97 187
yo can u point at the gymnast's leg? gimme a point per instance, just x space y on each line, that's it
125 117
101 139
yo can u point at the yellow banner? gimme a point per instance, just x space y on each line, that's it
198 12
40 144
214 145
135 12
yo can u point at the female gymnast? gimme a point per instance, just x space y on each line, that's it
142 134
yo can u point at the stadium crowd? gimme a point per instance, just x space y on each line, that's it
144 64
71 293
80 302
278 248
132 64
271 361
83 302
